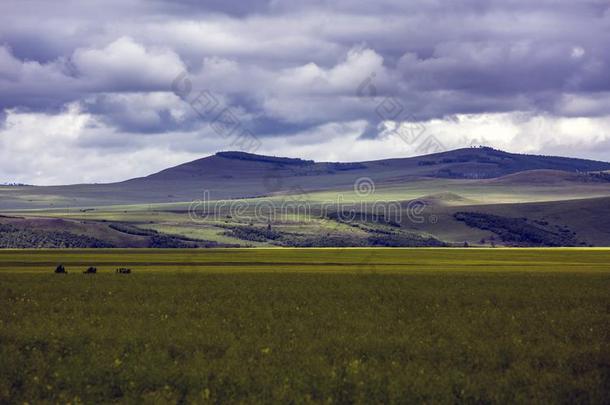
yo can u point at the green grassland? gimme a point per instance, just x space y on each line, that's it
582 208
470 191
392 185
306 326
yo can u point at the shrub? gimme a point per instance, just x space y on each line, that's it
123 270
168 242
253 233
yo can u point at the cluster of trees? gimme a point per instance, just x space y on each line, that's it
265 159
362 217
339 166
253 233
404 239
169 242
11 184
397 239
519 231
14 237
601 177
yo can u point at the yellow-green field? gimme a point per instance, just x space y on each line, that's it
306 326
343 260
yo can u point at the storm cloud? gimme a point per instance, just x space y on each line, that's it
305 78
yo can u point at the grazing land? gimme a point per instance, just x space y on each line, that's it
306 325
465 197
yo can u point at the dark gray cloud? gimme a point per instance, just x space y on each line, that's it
229 7
508 54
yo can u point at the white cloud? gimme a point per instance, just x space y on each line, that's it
74 147
290 37
344 77
125 63
523 132
513 132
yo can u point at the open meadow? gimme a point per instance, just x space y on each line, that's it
306 326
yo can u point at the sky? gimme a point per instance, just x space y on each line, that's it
100 91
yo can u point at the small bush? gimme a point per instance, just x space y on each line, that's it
123 270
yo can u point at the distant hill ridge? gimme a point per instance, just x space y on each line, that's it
233 174
482 155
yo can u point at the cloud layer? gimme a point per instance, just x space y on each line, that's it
323 79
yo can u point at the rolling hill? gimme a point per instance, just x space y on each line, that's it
475 197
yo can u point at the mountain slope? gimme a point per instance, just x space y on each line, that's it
228 175
460 163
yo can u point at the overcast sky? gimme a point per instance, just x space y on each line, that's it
96 91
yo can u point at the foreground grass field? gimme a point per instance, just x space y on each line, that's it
306 325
